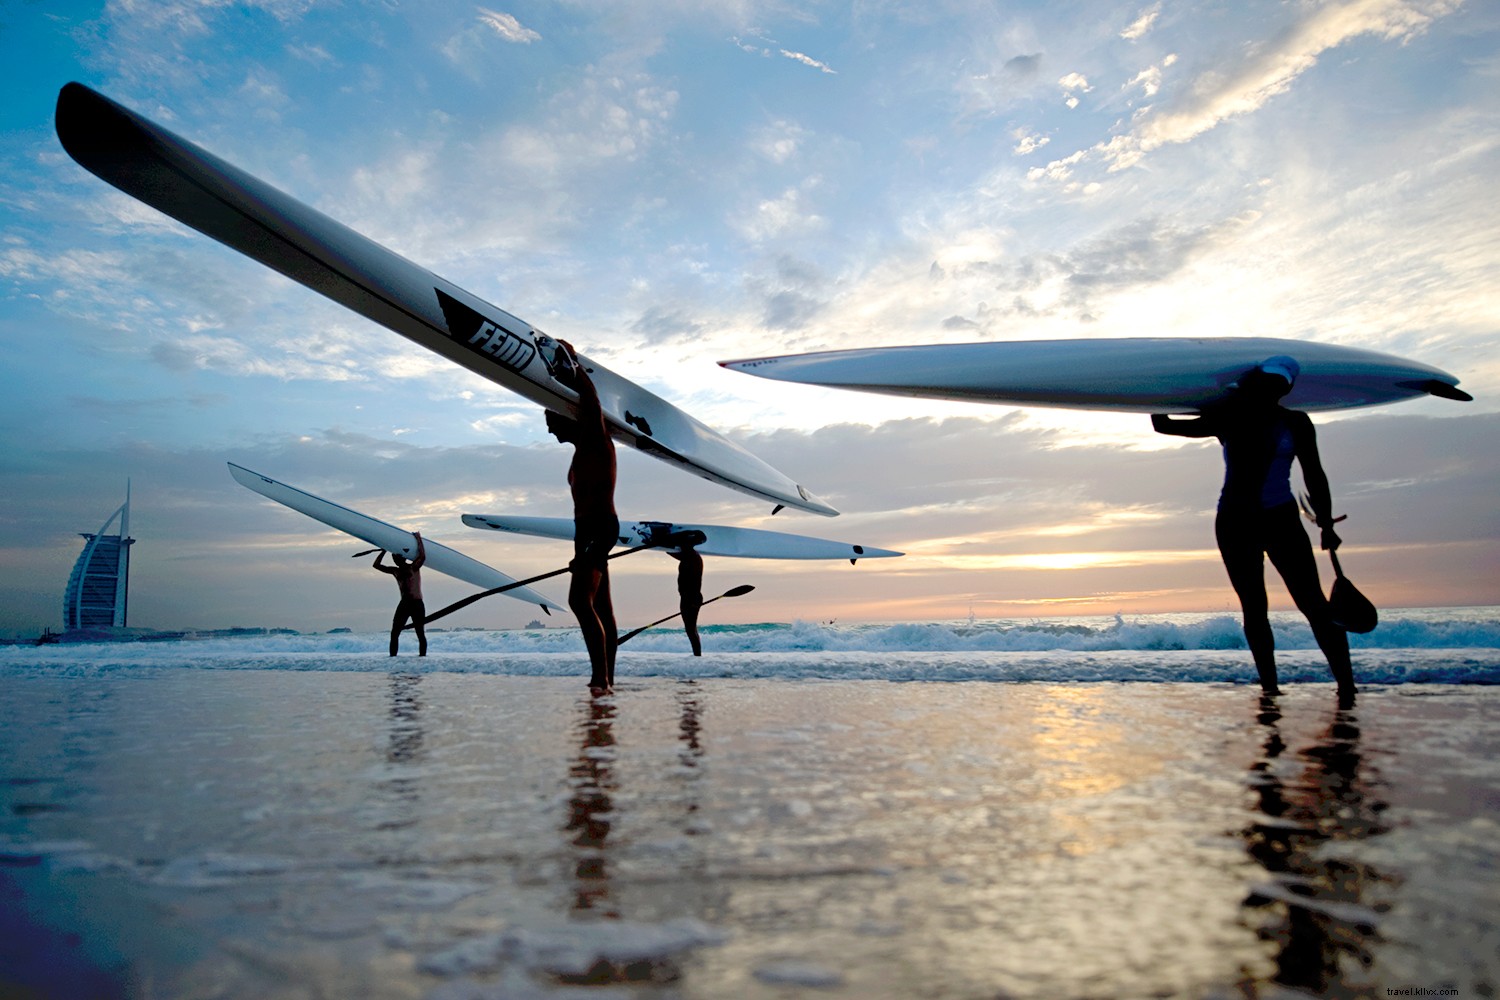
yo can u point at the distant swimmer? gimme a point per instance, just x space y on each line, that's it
596 526
409 579
690 592
1257 513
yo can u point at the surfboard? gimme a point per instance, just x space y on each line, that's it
440 558
1130 374
186 182
719 540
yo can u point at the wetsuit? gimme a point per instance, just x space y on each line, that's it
1258 517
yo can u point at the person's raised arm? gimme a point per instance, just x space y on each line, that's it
379 563
1319 494
1193 427
590 411
421 551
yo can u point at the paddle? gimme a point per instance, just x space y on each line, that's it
739 591
1349 609
676 538
456 605
365 553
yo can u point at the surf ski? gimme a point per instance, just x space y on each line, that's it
186 182
716 539
374 531
1129 374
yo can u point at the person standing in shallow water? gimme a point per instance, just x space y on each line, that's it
596 526
1258 517
411 607
690 592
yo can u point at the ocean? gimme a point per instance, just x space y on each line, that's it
1410 646
1070 808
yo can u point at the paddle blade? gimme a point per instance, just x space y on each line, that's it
1351 610
739 591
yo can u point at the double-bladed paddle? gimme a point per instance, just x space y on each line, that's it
739 591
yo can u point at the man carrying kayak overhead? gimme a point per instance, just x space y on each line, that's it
596 526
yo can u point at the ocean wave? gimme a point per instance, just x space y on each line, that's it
1451 646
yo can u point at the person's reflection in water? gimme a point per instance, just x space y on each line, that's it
590 809
590 815
690 754
400 790
405 742
1314 904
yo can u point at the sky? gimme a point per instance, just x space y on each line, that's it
672 184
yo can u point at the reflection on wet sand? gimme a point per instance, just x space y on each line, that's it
1315 908
690 753
405 739
591 809
399 788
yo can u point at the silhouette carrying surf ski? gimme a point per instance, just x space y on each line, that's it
411 608
389 537
1258 515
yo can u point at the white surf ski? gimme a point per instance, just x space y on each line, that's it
718 539
386 536
219 200
1136 374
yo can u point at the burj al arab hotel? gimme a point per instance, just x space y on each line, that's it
99 587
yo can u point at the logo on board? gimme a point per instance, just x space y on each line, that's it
485 336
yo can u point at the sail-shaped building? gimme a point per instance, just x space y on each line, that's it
99 587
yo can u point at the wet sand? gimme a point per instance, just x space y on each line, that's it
183 833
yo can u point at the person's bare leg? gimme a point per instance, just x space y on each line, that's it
1247 575
690 606
398 621
604 606
581 602
1299 569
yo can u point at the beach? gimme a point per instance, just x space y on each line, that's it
382 832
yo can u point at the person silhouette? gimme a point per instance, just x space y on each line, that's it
690 592
1257 514
596 526
409 580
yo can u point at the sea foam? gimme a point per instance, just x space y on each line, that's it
1455 646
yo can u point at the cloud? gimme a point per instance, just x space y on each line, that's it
1143 23
1145 251
807 60
1074 84
759 43
787 214
468 49
1271 70
659 324
792 293
507 27
1028 142
1237 89
1149 79
1024 67
779 141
